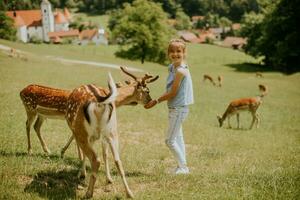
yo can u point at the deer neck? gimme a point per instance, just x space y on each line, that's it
125 94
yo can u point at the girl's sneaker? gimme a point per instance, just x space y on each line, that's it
182 170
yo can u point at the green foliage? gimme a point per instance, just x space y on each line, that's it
142 31
226 164
251 29
275 36
183 21
7 29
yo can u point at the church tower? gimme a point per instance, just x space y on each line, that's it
47 19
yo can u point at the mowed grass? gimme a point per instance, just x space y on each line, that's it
225 163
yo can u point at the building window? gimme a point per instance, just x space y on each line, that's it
45 10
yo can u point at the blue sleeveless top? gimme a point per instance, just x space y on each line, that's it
184 94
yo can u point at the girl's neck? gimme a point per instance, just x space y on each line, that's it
178 64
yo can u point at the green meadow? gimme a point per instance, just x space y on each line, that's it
225 163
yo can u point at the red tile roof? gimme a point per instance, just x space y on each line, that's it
88 34
67 14
189 37
19 21
70 33
29 17
60 18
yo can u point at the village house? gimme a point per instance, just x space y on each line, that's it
234 42
39 23
47 26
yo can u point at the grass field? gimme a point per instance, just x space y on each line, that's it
263 163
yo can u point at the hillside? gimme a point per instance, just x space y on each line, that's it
225 163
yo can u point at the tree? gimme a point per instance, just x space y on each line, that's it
7 30
142 31
275 36
182 21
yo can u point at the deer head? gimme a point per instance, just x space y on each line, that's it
140 93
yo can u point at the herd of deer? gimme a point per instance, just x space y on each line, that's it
90 112
15 54
239 105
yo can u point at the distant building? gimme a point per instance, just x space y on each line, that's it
188 37
39 23
97 36
234 42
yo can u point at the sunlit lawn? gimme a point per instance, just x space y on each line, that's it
225 163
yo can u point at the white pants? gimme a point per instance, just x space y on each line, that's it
174 136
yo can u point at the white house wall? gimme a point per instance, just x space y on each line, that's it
36 31
62 27
22 34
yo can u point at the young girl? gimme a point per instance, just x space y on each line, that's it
179 94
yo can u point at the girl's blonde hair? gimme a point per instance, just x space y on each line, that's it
177 43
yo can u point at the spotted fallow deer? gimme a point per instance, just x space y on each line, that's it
208 77
40 103
43 103
92 116
133 93
244 104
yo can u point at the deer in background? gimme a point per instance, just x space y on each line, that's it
208 77
43 103
244 104
259 74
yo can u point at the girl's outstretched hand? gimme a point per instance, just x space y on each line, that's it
150 104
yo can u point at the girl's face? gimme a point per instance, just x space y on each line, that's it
176 54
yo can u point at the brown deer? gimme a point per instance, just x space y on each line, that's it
220 81
92 116
42 102
208 77
259 74
244 104
45 102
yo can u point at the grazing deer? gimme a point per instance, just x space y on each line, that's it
259 74
208 77
220 81
13 52
244 104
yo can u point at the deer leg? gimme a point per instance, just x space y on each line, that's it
82 172
37 127
95 164
63 150
253 120
228 119
30 118
257 120
105 158
238 120
113 143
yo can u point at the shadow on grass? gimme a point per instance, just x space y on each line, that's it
55 184
250 67
54 157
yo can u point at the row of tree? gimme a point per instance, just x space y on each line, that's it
232 9
142 31
273 34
